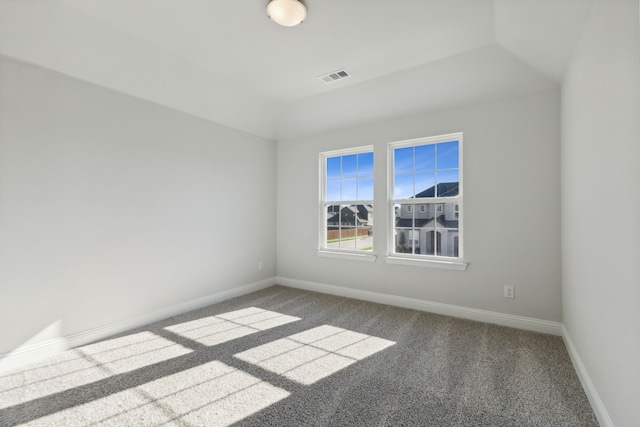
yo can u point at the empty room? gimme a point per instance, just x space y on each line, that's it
320 213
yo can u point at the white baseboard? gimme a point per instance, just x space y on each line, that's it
520 322
590 390
33 352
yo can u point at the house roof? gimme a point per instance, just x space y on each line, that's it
411 223
445 189
362 216
228 63
426 222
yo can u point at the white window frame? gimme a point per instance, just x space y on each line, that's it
323 250
423 260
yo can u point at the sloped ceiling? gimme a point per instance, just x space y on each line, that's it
225 61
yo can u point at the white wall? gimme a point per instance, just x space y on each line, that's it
511 158
601 205
112 207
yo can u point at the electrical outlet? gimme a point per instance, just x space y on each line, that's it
260 265
508 292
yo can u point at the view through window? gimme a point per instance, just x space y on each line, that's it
347 200
426 197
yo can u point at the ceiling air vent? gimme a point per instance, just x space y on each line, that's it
335 76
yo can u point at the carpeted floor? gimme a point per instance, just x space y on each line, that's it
286 357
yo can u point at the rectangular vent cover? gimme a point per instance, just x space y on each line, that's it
335 76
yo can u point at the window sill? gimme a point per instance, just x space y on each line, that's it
432 263
358 256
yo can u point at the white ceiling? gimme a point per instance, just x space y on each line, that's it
227 62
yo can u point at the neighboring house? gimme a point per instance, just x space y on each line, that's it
349 216
429 228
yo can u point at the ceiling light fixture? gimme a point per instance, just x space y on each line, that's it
287 13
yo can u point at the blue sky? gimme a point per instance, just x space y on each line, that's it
350 177
417 168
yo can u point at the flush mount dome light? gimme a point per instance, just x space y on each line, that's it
287 13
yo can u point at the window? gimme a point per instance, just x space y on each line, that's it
346 209
426 172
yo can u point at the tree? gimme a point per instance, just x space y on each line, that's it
402 242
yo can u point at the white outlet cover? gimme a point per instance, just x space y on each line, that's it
509 292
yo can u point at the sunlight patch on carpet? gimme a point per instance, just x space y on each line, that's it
314 354
86 365
132 352
214 330
211 394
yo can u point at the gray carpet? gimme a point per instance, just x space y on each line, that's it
286 357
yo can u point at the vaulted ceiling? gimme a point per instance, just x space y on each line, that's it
225 61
